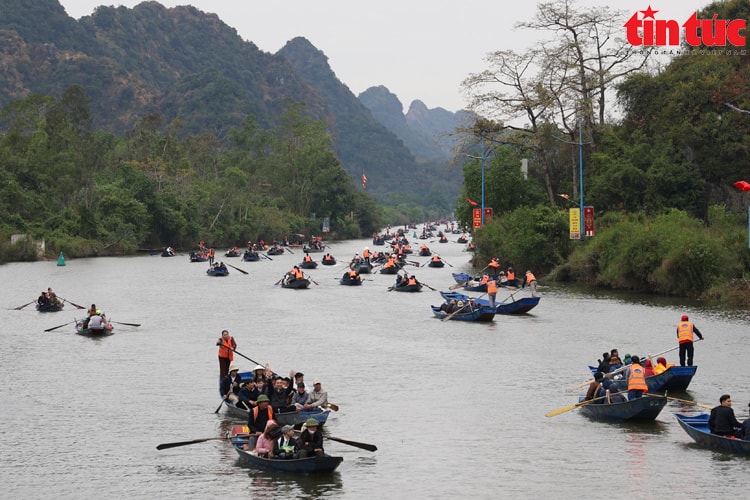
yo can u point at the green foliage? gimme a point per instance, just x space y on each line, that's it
673 253
533 238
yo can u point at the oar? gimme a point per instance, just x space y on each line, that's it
56 327
446 262
333 407
413 263
266 256
457 286
554 413
219 408
73 303
364 446
288 250
509 297
428 286
21 307
237 268
686 401
127 324
450 316
276 284
310 278
164 446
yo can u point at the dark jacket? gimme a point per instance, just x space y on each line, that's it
722 420
309 441
227 384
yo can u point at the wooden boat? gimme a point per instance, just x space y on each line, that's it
295 418
275 250
346 280
232 253
407 288
436 263
295 283
643 408
329 262
108 329
198 257
674 378
48 308
364 268
389 270
697 428
311 264
310 465
482 314
217 271
251 256
520 306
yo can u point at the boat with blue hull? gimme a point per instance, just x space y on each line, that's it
218 271
696 427
241 438
518 306
674 378
480 315
643 408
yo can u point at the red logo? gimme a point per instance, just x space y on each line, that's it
648 31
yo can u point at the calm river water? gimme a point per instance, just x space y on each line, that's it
455 409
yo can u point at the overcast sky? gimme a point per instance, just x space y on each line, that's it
418 49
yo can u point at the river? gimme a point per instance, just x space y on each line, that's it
455 409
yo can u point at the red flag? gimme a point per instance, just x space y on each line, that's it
742 186
563 195
472 201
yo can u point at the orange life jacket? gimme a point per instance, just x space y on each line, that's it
225 349
307 258
637 378
491 286
412 281
366 253
530 277
511 275
684 332
435 258
485 279
270 412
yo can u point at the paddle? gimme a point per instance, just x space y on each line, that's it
127 324
310 278
266 256
333 406
413 263
509 297
457 286
164 446
237 268
446 262
73 304
217 409
56 327
686 401
364 446
288 250
277 283
428 286
554 413
21 307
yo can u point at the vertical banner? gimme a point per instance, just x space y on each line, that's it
487 214
476 216
326 225
588 221
575 223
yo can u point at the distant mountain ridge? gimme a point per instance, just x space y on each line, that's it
183 63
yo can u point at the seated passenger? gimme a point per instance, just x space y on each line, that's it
286 446
301 397
265 444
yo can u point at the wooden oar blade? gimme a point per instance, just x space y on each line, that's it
237 268
56 327
128 324
364 446
21 307
164 446
333 407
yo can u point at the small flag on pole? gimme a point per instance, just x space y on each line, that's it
472 202
364 180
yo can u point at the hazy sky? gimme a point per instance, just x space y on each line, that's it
418 49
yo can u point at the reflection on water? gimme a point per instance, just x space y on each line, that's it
455 409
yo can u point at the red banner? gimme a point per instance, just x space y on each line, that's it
588 221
